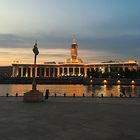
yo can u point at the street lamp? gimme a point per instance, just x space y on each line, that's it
36 52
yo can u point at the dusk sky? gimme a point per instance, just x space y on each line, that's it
104 29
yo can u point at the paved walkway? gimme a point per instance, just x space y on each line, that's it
70 119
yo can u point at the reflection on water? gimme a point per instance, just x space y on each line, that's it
69 90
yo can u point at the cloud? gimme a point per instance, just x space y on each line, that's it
58 48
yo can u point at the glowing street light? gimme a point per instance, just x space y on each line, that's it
132 82
105 81
118 82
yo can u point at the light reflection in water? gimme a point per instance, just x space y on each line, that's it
69 90
134 90
105 90
119 89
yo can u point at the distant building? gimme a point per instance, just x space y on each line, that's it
73 66
5 71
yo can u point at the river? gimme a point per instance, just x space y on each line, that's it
69 90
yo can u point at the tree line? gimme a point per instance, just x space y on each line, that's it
115 74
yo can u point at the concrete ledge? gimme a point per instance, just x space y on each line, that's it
33 96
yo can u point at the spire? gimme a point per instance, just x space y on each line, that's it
74 40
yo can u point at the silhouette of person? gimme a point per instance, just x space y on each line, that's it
123 92
46 94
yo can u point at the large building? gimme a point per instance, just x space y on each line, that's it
73 66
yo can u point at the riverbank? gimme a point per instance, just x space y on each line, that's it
70 118
71 80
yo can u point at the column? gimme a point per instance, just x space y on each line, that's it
73 70
13 71
53 72
21 71
45 72
26 72
68 73
85 71
79 71
16 71
58 71
31 75
62 70
94 68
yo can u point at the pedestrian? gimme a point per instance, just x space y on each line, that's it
46 94
123 92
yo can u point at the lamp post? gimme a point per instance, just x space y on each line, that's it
34 95
36 52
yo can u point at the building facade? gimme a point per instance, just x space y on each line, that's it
73 66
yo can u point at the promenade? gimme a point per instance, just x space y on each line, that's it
68 118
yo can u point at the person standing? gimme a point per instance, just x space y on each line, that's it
123 92
46 94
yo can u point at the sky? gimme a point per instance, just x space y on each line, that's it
104 29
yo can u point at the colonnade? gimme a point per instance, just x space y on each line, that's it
27 71
21 70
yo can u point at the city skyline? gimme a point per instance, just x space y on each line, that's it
105 29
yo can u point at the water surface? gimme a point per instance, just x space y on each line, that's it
69 90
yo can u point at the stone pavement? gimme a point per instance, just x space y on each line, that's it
68 118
